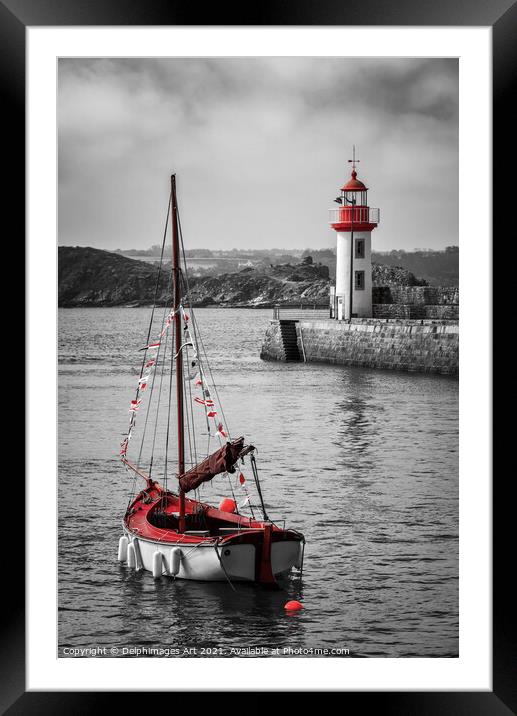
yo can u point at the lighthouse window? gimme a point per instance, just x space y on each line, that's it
359 248
359 280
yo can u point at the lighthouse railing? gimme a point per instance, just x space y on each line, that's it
358 214
300 312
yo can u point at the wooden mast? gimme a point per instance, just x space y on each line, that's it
178 323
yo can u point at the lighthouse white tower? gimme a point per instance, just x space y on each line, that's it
353 223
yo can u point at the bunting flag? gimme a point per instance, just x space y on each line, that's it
194 373
151 347
242 479
124 444
135 404
209 404
143 381
245 501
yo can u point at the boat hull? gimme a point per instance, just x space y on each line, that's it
215 562
216 546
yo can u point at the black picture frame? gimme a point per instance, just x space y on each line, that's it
501 15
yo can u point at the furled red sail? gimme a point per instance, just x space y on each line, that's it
222 460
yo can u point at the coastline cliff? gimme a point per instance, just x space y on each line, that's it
89 277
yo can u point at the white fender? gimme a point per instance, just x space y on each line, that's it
157 564
131 556
176 555
122 549
139 562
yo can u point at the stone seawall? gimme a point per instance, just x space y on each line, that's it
440 312
416 302
408 345
417 295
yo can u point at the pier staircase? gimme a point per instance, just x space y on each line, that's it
290 340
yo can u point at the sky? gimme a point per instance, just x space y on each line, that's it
260 148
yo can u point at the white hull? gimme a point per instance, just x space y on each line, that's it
213 563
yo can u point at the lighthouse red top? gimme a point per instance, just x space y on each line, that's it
354 213
354 184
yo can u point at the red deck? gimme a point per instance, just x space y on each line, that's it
200 515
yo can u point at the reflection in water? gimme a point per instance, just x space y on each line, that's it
363 462
206 614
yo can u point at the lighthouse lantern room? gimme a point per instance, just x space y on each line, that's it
353 222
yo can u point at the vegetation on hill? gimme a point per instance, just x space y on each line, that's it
438 268
92 277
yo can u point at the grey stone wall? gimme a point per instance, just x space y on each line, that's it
416 295
272 348
415 311
408 345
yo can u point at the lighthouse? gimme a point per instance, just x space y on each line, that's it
353 223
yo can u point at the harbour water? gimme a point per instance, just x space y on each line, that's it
363 462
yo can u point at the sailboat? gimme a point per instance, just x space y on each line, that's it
164 531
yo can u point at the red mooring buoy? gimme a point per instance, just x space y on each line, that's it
227 505
293 606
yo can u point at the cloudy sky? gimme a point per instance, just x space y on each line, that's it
260 148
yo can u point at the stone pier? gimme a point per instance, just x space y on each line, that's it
427 346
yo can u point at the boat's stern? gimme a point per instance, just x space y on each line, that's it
275 551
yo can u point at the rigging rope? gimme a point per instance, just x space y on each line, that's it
169 413
199 361
159 402
151 391
198 339
158 276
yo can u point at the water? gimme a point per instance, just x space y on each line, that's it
363 462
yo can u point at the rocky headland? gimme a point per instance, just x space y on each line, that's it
93 277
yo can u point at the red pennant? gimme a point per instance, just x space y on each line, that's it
204 402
